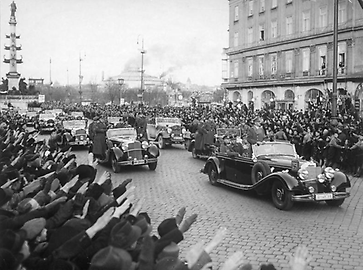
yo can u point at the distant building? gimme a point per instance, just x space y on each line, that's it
132 79
281 51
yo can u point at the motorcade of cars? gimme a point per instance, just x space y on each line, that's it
75 132
166 131
275 169
124 149
46 122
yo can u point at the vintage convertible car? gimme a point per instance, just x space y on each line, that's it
275 168
166 131
76 132
124 149
31 118
45 122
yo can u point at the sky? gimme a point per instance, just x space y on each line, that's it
182 38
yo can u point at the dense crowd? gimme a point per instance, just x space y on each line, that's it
58 214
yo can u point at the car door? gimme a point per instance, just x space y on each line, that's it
151 130
230 171
244 169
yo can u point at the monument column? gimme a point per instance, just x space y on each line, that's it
13 75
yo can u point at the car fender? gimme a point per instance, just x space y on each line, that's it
216 162
154 150
163 134
290 181
117 152
340 180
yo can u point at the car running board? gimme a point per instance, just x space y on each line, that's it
235 185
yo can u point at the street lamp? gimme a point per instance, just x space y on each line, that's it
142 50
120 83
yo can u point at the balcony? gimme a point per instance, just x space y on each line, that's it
341 71
305 73
322 72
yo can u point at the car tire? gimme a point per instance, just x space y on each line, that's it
161 142
194 153
115 167
281 196
260 170
336 203
213 174
152 166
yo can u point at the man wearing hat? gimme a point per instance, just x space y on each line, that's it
256 133
99 139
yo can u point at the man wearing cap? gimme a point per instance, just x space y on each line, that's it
256 133
99 139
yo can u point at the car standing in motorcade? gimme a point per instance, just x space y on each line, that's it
123 148
166 131
46 122
75 132
274 168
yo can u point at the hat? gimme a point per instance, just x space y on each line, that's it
8 260
142 223
63 177
27 205
170 263
166 226
5 196
85 171
78 224
123 235
111 258
171 250
33 227
13 241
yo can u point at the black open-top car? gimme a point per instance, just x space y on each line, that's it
123 148
274 168
76 132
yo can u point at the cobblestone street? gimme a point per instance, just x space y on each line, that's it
265 234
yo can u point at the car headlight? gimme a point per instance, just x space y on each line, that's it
321 178
144 144
184 131
333 188
124 147
329 172
311 189
303 174
169 130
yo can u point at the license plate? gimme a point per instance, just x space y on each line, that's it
137 162
323 196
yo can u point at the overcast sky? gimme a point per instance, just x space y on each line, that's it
184 38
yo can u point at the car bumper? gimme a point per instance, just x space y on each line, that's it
177 139
47 128
79 143
134 162
320 197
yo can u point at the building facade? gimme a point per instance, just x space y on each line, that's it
281 52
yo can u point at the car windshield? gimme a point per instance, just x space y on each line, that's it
76 114
167 121
274 149
113 120
121 132
31 114
228 131
74 124
46 116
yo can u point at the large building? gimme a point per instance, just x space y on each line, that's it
281 52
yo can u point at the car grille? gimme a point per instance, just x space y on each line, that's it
176 130
135 150
80 131
313 171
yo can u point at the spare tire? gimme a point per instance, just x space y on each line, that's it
260 170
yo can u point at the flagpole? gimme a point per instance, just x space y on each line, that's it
335 58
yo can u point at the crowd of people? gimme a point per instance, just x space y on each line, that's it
58 214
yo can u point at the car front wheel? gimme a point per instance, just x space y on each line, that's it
212 174
336 203
115 167
161 142
281 196
152 166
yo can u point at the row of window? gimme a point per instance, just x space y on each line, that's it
288 63
262 7
289 25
